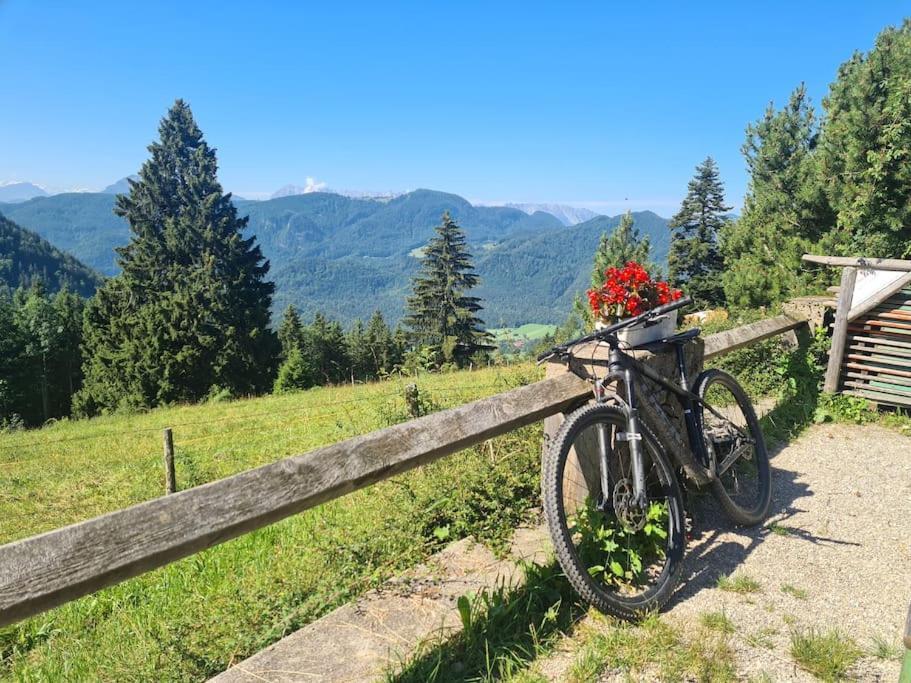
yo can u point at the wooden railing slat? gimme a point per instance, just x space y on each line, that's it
731 340
859 262
44 571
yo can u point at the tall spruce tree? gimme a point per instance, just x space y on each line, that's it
380 344
290 332
784 210
865 150
440 313
326 349
189 313
695 261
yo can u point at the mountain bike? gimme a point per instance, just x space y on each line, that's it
613 481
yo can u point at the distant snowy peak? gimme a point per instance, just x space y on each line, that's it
312 185
568 215
319 186
19 192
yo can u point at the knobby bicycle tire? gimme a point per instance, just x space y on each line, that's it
738 513
595 592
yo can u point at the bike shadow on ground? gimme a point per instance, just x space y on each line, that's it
712 553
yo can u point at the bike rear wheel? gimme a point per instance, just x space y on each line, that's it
623 559
743 479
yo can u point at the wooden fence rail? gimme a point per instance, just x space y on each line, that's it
44 571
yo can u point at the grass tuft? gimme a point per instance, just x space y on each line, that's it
717 621
503 631
825 654
885 649
653 650
764 638
794 591
781 529
739 583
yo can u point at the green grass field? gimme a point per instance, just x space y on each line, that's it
194 618
530 331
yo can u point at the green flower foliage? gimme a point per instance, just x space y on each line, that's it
615 554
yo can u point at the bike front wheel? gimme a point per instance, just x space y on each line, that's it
622 557
736 448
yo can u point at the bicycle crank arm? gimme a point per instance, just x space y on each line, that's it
734 456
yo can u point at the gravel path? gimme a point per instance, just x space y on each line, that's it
839 536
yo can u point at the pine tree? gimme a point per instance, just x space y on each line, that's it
360 361
290 332
380 345
294 374
45 369
621 245
325 348
784 210
190 310
441 314
695 261
865 150
37 319
615 249
13 371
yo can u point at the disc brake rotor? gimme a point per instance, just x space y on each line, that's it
631 515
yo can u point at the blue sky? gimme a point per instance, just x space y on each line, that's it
607 105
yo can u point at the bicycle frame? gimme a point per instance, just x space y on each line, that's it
623 368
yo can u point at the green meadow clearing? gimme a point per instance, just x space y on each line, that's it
194 618
530 331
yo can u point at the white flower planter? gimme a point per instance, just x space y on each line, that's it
639 334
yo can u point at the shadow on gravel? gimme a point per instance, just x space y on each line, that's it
707 559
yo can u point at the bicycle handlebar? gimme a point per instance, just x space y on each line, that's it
607 332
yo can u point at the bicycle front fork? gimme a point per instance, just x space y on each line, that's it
632 435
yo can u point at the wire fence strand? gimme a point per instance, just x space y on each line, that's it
475 391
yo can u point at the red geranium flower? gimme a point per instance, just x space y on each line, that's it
629 291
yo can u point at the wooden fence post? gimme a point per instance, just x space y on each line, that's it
840 330
412 400
170 479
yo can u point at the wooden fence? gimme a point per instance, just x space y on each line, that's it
870 355
45 571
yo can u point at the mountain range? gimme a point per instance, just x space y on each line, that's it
20 192
568 215
347 256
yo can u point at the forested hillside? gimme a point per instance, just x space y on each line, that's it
25 258
329 251
82 224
